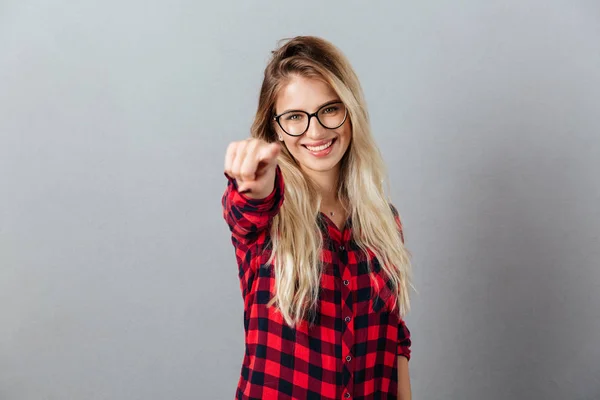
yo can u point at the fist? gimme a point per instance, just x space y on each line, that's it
252 163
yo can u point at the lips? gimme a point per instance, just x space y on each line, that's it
320 146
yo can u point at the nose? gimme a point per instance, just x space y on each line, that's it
315 129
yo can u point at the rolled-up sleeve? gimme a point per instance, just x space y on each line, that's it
404 341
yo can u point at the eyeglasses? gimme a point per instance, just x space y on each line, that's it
296 123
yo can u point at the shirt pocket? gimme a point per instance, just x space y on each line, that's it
383 297
373 291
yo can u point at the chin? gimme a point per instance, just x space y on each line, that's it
321 166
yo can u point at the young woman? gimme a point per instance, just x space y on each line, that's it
323 269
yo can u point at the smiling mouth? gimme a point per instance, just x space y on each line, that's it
320 148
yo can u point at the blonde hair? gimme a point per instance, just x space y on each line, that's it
295 235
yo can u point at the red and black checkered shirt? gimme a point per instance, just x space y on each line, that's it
350 352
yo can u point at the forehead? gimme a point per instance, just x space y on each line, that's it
302 93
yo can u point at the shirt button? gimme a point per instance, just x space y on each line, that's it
347 319
348 358
346 282
347 395
342 248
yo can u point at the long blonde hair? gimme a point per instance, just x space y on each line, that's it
295 235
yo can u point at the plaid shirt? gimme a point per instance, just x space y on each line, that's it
350 352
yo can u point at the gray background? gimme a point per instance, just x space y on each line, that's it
118 278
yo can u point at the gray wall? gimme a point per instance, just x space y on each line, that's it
118 279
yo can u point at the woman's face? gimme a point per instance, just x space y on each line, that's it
319 149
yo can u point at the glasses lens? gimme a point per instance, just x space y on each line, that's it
332 115
294 123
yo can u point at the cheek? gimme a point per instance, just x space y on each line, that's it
292 145
347 134
347 140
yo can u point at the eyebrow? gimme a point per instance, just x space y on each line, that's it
319 107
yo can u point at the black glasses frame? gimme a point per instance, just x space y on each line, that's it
315 114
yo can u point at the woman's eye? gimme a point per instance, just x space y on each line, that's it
330 109
293 117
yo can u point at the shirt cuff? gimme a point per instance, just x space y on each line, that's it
404 341
239 199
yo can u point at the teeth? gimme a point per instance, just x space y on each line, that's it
320 148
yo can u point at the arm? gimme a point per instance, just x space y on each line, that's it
404 390
253 197
248 219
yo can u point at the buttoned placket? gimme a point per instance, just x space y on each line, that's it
347 309
339 242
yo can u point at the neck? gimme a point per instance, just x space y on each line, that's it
327 184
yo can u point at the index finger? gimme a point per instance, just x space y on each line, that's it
269 152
